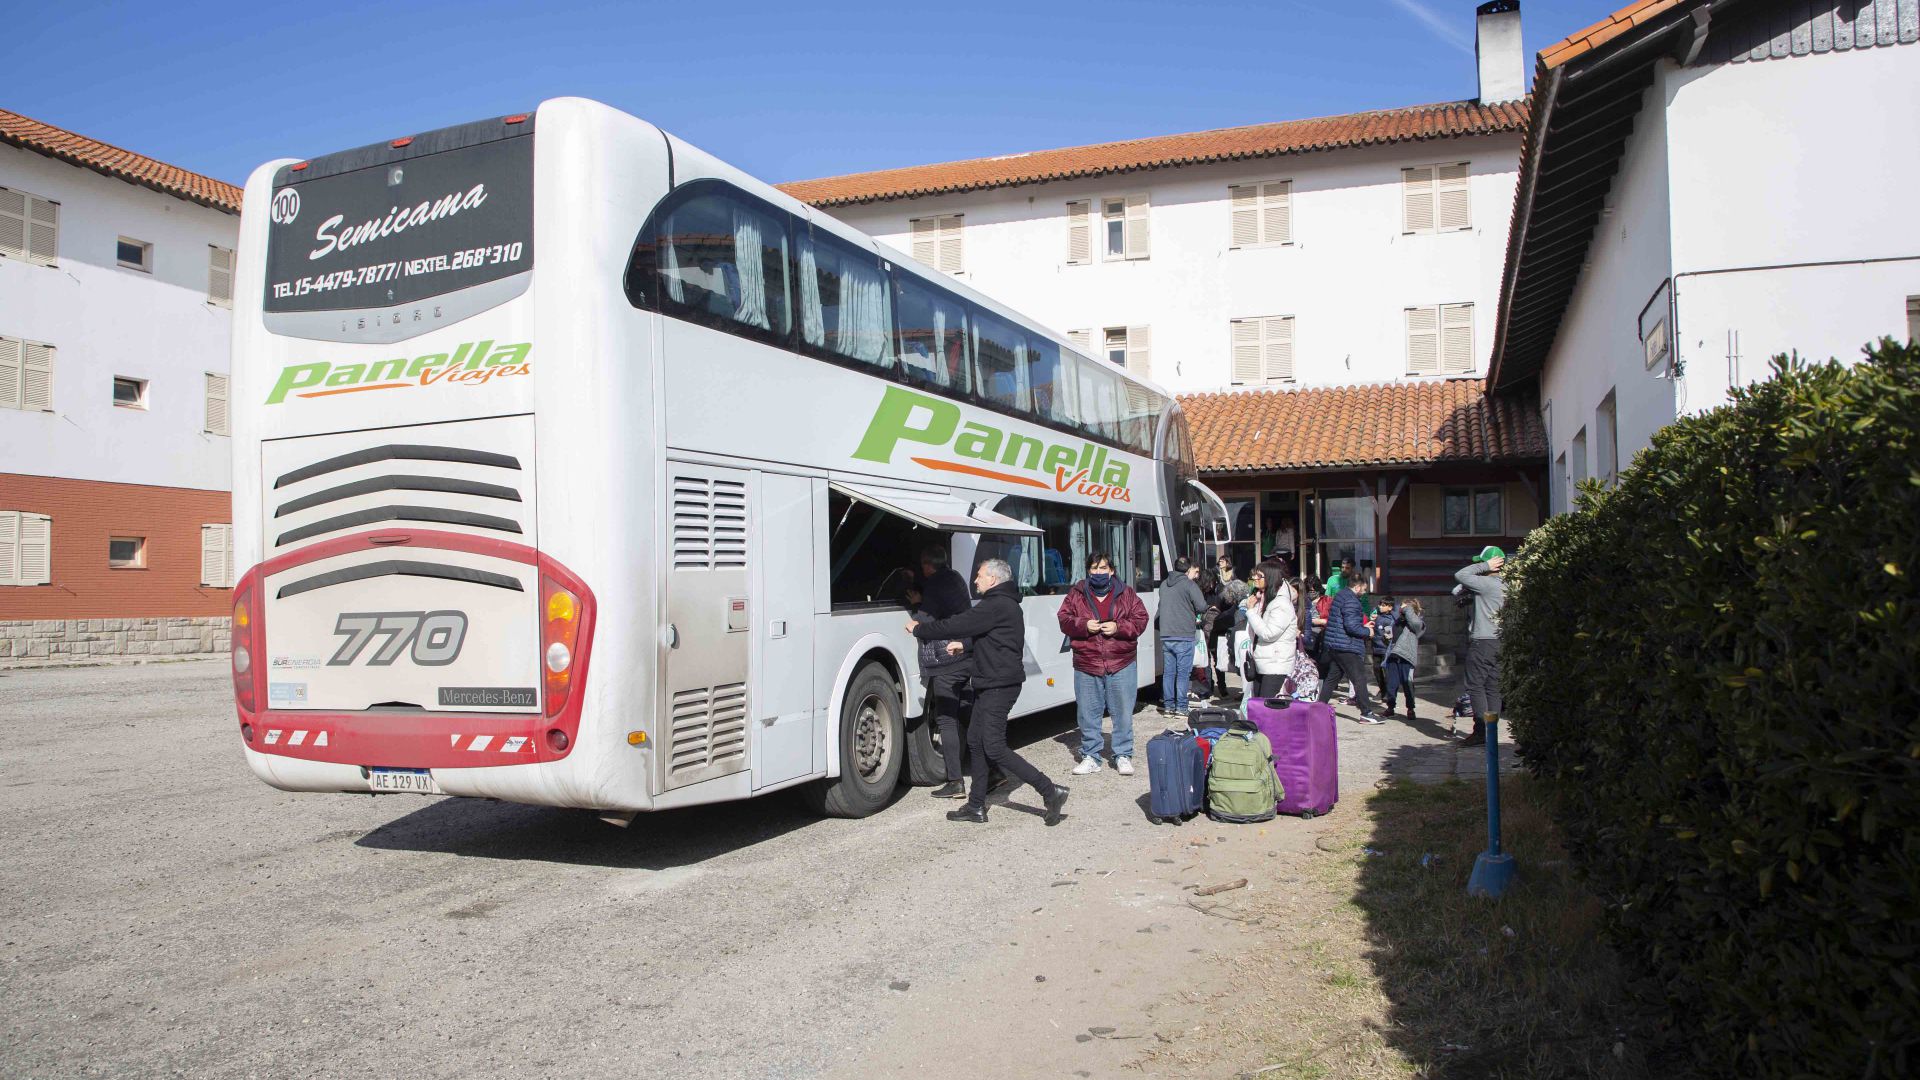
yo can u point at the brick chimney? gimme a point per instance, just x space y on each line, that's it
1496 42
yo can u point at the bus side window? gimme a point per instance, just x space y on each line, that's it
1048 381
1001 352
844 302
933 336
1146 555
1099 409
1022 553
721 259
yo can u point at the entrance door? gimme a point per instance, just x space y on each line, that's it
782 573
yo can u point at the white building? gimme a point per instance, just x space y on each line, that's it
1707 185
1322 291
116 282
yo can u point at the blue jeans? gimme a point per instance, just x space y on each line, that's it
1111 695
1177 654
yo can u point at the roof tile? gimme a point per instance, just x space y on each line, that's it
1369 426
1592 37
134 168
1446 120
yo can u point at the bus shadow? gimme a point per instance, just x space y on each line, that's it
481 829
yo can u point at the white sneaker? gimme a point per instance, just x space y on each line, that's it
1123 766
1089 765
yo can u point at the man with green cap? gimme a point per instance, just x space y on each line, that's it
1481 578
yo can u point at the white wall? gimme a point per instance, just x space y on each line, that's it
1736 178
106 321
1346 278
1780 164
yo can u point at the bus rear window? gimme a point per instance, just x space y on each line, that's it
392 232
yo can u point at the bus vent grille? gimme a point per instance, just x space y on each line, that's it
709 727
709 524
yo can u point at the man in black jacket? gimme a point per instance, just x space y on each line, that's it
942 595
997 630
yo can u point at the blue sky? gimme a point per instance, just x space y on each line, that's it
784 90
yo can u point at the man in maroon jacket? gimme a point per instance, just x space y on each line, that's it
1104 619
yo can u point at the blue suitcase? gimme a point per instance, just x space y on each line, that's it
1176 776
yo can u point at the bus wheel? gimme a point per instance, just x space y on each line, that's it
872 748
925 764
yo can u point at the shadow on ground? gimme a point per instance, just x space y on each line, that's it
485 829
1519 987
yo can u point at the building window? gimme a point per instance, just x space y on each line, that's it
26 375
1563 482
1440 340
29 227
1473 511
1127 347
1262 350
217 405
26 548
1344 529
135 255
1913 318
216 556
129 393
1262 213
127 552
1079 232
1606 431
1577 457
219 276
1433 198
936 242
1125 227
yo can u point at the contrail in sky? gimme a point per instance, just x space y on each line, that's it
1440 27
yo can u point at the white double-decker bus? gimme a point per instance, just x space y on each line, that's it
574 467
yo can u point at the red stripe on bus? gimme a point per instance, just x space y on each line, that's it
356 389
975 470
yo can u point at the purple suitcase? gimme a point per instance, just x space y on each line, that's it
1305 752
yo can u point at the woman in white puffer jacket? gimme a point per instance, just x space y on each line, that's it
1273 627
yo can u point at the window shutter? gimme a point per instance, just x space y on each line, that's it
1423 341
36 377
219 275
43 230
950 255
1245 201
1424 511
13 223
926 240
1276 212
212 555
1246 351
1079 233
1139 230
10 548
1456 338
1139 360
1522 515
1417 199
1450 194
217 404
10 362
1279 348
1082 340
36 549
227 532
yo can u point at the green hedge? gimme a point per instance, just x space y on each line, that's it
1715 669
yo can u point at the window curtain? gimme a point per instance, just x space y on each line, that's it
812 325
863 313
670 264
748 263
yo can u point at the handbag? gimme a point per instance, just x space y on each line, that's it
1200 650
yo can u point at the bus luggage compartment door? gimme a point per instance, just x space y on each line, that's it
705 669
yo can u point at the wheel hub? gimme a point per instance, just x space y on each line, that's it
872 739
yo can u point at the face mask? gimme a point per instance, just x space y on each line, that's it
1100 581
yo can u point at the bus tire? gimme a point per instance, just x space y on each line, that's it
925 765
873 748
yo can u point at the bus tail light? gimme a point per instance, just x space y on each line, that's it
559 636
241 634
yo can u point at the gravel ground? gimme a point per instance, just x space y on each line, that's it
166 914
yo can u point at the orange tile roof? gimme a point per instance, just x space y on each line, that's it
92 154
1371 426
1442 121
1600 33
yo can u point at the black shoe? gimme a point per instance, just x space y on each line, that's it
974 814
952 789
1478 737
1054 802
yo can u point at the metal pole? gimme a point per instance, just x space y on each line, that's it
1493 785
1492 871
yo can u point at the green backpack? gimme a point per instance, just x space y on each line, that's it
1241 783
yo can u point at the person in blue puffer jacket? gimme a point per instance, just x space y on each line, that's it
1346 644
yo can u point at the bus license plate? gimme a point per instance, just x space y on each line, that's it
418 781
